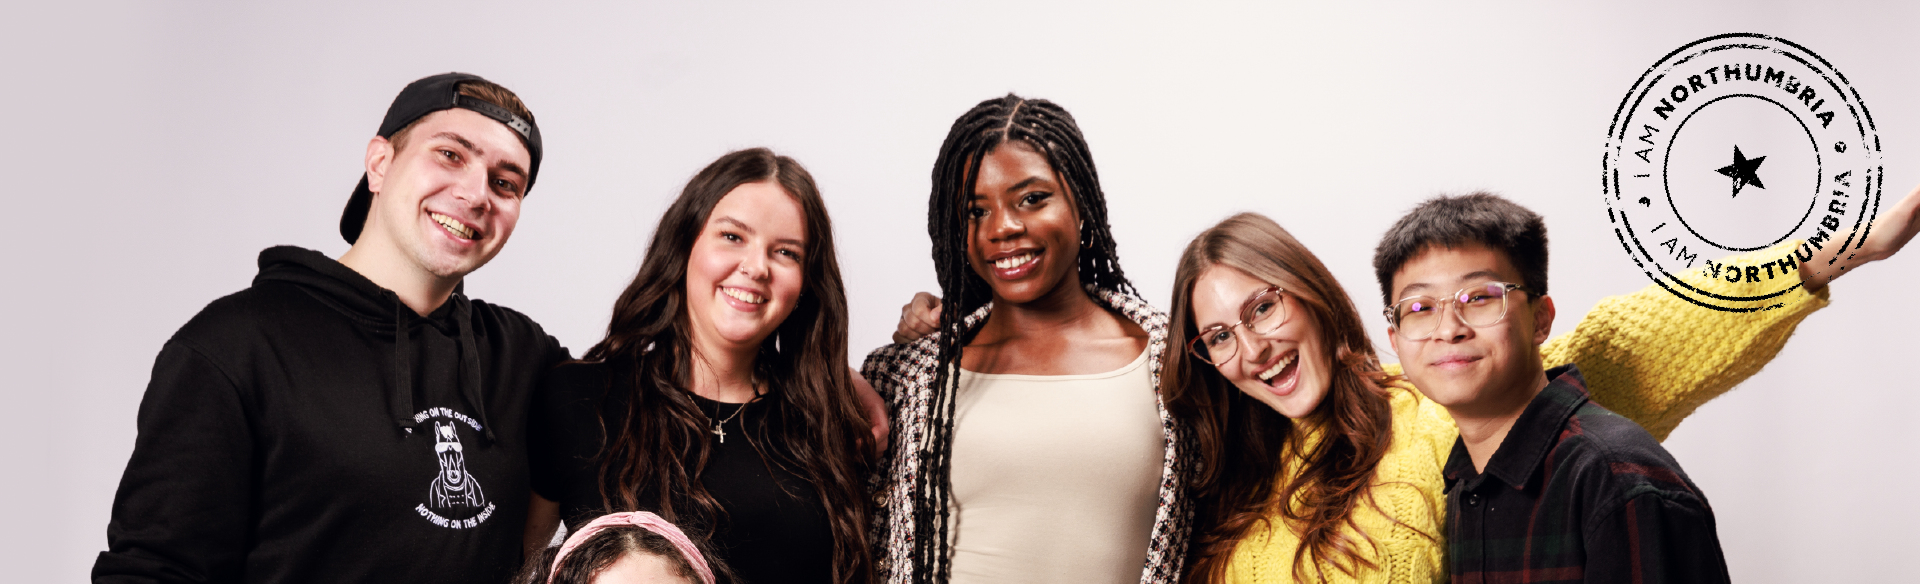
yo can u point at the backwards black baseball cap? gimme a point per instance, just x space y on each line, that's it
428 95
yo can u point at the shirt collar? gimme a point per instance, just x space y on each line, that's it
1532 435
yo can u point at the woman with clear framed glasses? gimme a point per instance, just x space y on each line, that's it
1287 401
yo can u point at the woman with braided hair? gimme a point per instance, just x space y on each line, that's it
1030 444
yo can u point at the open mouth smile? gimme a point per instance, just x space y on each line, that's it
1284 375
1015 261
1015 266
455 227
746 296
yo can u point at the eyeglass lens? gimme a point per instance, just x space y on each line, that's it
1262 314
1477 306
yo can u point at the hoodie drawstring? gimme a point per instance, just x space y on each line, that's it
470 371
400 400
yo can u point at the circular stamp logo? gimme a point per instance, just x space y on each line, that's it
1732 145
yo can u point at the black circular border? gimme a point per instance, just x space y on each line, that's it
1610 173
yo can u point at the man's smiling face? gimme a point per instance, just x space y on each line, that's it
1467 368
448 196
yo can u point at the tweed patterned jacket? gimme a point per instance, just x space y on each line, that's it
904 374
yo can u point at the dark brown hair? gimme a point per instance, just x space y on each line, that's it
1243 445
1453 221
1050 131
653 462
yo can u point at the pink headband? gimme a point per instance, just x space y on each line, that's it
643 520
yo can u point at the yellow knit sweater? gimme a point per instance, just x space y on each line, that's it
1649 356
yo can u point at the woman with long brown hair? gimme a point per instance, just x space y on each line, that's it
1314 462
720 398
1322 420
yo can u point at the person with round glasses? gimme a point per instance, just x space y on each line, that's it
1286 399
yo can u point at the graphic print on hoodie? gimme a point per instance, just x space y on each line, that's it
312 428
453 490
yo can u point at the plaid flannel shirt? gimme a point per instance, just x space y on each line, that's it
1577 493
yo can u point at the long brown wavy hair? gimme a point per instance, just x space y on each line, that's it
1244 445
654 461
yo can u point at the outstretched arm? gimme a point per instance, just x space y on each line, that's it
1655 358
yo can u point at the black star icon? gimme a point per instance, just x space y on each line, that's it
1742 171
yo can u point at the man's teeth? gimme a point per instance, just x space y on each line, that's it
452 226
1015 261
1268 374
743 295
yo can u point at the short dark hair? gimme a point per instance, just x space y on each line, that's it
1456 220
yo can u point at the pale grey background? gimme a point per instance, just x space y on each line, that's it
155 148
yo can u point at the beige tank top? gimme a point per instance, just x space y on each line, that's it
1055 477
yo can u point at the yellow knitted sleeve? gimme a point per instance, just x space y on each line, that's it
1654 357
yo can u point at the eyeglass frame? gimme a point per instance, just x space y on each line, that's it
1505 287
1244 322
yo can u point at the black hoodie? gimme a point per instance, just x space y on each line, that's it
313 428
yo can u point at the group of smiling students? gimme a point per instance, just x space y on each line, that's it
1048 425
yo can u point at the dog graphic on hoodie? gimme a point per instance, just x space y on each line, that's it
453 486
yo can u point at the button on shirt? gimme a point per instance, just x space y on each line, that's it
1577 493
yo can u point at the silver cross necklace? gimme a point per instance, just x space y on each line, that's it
717 430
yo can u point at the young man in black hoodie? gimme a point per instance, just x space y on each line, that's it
358 420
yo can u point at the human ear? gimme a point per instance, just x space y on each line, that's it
1542 320
379 157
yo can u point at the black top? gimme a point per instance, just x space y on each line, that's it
775 529
312 428
1577 493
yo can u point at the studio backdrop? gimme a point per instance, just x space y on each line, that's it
153 149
